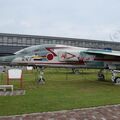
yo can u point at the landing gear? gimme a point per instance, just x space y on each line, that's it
40 77
75 71
115 79
101 75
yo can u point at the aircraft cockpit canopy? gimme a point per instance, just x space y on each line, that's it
28 50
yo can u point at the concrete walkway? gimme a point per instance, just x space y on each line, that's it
14 93
111 112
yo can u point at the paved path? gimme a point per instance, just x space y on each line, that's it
14 93
111 112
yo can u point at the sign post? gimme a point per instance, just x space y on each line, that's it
15 74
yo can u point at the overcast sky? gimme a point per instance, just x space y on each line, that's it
89 19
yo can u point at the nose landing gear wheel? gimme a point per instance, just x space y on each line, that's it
41 81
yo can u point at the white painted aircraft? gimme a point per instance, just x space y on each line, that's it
53 55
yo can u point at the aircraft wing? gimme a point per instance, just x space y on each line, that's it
103 52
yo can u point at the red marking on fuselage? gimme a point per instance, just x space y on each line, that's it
63 56
50 56
69 55
51 49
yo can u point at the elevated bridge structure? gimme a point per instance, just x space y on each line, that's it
10 43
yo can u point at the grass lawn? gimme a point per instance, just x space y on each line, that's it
62 90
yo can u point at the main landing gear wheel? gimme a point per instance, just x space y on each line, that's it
117 80
75 71
101 76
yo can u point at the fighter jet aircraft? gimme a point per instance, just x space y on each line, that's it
53 55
